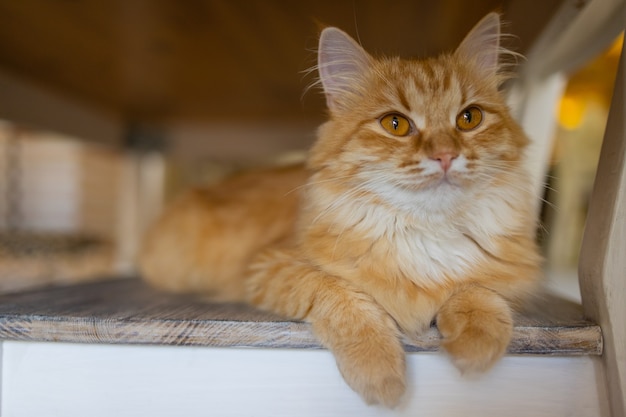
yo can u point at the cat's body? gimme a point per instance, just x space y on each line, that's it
205 240
414 205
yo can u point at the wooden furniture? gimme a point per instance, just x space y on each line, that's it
118 348
567 41
109 337
602 271
126 311
166 63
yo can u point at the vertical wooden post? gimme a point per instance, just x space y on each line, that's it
535 112
141 191
602 268
13 168
128 216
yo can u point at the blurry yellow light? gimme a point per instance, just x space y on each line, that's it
571 111
616 47
589 84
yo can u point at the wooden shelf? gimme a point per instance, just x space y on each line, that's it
126 311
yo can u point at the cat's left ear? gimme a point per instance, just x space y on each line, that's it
341 63
482 45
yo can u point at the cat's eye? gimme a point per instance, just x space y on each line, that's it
396 124
469 118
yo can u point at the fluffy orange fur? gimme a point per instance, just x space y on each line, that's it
383 230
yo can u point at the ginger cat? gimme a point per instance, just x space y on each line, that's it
414 205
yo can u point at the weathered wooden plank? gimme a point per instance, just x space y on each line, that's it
602 266
126 311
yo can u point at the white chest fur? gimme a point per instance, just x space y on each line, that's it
425 253
426 258
429 237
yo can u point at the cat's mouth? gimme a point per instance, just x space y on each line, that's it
435 182
447 181
431 173
441 178
450 180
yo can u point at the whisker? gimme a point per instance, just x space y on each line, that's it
308 184
345 226
520 188
351 194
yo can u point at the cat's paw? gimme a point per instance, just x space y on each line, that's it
476 327
369 355
376 373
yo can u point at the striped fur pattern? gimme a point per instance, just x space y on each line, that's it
380 233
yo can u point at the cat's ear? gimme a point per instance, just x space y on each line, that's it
341 63
482 45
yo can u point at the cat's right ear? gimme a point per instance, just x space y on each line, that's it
341 63
482 45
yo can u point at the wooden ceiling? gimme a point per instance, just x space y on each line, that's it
164 61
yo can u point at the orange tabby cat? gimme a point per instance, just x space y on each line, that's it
414 204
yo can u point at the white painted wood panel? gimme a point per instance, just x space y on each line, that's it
56 379
602 268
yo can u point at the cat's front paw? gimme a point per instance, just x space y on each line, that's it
376 373
369 354
476 326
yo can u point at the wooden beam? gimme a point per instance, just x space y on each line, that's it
26 104
579 31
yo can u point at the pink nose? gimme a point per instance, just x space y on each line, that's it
445 159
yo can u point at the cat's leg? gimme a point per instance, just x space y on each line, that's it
362 336
476 324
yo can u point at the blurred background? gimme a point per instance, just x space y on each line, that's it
109 108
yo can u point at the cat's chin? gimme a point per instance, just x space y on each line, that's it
436 198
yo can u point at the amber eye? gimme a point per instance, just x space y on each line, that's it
469 118
396 124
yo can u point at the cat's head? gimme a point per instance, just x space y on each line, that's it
417 129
